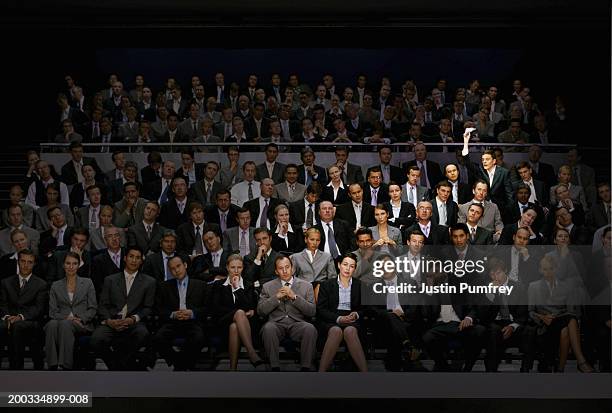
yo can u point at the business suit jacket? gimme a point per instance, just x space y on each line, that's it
329 298
482 237
253 206
41 221
229 178
319 270
407 214
587 181
69 174
396 174
544 173
598 217
282 192
343 234
528 270
55 269
183 108
422 193
362 128
123 220
382 195
28 215
199 173
295 238
127 132
140 301
198 192
96 240
250 128
231 239
490 219
185 129
81 216
48 243
212 216
434 173
154 266
171 216
341 197
83 304
297 212
78 195
346 212
104 266
516 301
224 306
500 191
31 302
8 266
6 246
464 192
202 266
300 309
278 173
392 232
137 236
261 273
461 305
353 174
576 194
186 235
168 299
513 214
452 210
541 193
116 189
438 234
148 174
321 175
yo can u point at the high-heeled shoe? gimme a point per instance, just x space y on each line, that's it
585 367
257 363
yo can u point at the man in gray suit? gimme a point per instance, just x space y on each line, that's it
88 216
288 302
205 135
205 190
270 168
491 218
127 299
15 221
411 191
190 127
582 175
290 190
232 173
129 210
242 237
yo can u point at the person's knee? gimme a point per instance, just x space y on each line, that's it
268 331
428 338
334 332
350 333
564 332
239 314
310 331
233 328
65 325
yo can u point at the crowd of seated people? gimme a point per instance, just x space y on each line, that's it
269 111
259 255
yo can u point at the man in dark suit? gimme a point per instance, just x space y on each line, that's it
71 171
459 320
211 266
505 317
277 168
498 178
337 236
256 126
204 191
477 234
461 192
190 234
262 208
153 170
390 173
23 305
177 105
156 264
600 213
374 190
176 211
539 193
58 235
430 170
514 211
192 172
123 331
350 173
109 260
355 125
299 211
356 213
434 234
223 212
541 171
259 264
147 233
160 188
445 210
181 303
308 172
522 262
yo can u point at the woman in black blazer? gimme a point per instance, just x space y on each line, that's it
287 238
339 315
334 191
233 308
401 214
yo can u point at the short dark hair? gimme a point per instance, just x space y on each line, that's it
460 226
480 181
443 183
374 169
75 145
222 192
281 257
363 231
182 257
134 248
271 145
416 232
349 255
523 186
154 157
80 231
187 151
314 188
259 230
242 211
26 251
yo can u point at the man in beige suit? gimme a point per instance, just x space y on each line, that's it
288 302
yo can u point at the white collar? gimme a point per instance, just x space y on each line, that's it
340 186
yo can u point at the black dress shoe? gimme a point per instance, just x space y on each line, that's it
257 363
275 369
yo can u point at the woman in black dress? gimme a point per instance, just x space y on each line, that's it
334 191
339 312
287 238
234 304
